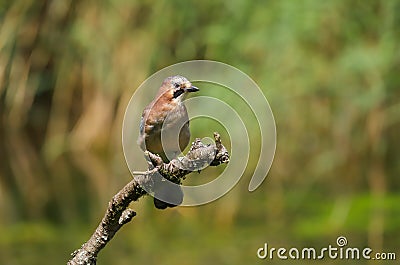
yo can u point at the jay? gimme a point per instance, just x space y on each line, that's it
164 130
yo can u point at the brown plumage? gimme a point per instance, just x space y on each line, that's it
164 129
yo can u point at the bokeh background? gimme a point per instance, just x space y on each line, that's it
329 69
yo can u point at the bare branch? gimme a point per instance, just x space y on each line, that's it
118 213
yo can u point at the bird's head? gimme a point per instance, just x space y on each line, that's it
176 87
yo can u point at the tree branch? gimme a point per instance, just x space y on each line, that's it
118 213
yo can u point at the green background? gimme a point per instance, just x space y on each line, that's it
329 69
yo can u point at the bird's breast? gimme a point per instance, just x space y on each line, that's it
166 131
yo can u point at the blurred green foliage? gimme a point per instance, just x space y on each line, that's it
330 70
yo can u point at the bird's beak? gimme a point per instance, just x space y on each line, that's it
191 89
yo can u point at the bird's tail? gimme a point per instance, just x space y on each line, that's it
167 195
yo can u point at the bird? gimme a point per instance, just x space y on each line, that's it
164 130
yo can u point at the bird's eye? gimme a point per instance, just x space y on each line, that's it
177 85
